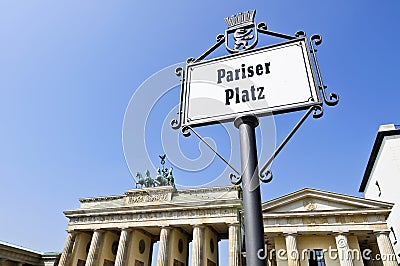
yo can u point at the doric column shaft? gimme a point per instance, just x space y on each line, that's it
69 243
197 245
119 260
94 244
291 248
344 253
388 256
162 259
234 245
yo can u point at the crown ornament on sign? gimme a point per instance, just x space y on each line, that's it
241 19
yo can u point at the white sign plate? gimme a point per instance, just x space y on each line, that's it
273 79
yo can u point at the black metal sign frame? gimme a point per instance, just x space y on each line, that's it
312 100
315 40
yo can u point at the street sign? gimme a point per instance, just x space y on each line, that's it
273 79
247 84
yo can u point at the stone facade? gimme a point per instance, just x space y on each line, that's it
381 176
121 230
345 229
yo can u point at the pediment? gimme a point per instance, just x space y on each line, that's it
308 199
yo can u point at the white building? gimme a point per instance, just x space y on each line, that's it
382 175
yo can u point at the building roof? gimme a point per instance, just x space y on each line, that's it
3 243
326 200
384 130
26 256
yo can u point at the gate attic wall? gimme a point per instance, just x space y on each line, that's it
165 207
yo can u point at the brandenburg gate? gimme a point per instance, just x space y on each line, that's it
121 230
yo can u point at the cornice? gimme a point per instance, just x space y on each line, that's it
347 212
237 204
325 195
99 199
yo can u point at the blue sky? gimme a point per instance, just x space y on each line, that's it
68 70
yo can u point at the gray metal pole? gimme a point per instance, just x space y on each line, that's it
253 221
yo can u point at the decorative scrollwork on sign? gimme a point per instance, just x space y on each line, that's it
318 111
262 26
316 40
190 60
186 131
175 124
235 180
300 34
220 37
266 177
333 97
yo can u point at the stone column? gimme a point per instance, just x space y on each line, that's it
94 244
388 256
198 245
151 252
119 260
291 249
234 245
344 253
69 243
2 262
162 258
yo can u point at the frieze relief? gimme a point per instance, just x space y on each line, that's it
184 214
146 197
351 219
316 220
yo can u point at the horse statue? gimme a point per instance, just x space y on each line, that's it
170 177
148 181
161 179
140 180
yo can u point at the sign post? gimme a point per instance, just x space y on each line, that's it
244 85
253 220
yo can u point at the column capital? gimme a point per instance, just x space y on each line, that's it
285 234
233 224
337 233
166 226
198 225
